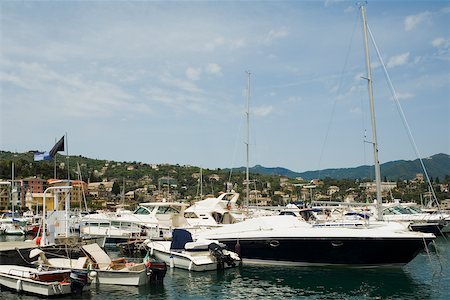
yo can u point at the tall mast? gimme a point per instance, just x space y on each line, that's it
201 183
247 180
372 112
13 187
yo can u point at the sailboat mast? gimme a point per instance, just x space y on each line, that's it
247 179
372 113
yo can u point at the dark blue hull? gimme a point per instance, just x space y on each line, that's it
328 251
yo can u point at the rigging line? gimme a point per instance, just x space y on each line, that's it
403 117
336 99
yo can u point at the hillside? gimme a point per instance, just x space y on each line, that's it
437 165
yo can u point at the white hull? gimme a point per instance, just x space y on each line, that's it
192 261
18 278
131 278
134 275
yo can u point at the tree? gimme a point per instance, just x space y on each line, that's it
115 188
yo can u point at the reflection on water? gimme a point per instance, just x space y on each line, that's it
424 278
271 282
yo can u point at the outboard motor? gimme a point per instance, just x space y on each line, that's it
221 257
78 279
158 269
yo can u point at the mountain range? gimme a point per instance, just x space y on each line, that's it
437 166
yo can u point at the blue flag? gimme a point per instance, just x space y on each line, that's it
38 156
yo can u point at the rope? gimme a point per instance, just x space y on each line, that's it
403 117
23 258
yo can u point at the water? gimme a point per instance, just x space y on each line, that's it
426 277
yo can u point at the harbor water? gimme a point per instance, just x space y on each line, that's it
426 277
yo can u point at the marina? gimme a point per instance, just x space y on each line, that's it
420 279
137 230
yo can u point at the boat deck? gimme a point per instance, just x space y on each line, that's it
7 246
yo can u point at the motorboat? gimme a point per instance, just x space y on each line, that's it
214 211
201 255
289 240
105 270
114 230
12 224
437 223
150 219
11 228
42 283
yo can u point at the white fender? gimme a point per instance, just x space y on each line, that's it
19 285
171 264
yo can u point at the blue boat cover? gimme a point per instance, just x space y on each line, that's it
179 238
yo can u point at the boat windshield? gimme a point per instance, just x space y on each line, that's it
166 210
414 210
142 211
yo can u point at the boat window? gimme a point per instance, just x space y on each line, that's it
415 210
288 213
403 210
190 215
166 210
391 211
142 211
218 217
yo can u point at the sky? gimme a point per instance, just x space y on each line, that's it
166 81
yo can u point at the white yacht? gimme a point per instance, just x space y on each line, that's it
289 240
152 219
212 212
437 223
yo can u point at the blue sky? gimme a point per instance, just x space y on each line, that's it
165 82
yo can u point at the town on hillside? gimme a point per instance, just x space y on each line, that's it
99 184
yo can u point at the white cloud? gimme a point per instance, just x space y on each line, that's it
262 111
238 43
193 73
71 94
212 45
439 42
275 34
213 68
413 21
398 60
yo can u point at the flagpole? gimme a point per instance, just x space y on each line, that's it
67 153
54 165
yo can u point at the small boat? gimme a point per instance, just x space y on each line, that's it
202 255
104 270
12 229
42 283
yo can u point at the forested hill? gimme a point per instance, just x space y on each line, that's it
437 166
